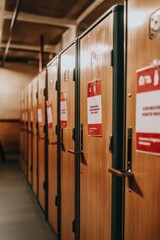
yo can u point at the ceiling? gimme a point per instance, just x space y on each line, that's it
27 25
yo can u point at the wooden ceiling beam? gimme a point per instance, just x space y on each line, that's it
33 18
47 48
89 10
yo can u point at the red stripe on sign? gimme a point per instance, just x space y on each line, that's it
148 79
95 129
63 124
148 142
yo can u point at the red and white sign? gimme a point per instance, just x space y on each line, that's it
26 115
49 113
31 115
148 110
39 115
23 115
94 108
63 116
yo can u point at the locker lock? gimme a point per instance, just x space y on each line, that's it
154 24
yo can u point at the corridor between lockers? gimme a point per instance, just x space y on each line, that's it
20 216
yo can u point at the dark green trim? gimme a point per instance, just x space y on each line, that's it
77 142
118 127
58 153
46 147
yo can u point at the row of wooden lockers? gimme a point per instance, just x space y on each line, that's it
82 133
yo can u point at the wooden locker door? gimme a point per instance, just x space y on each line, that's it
41 138
29 137
51 104
34 134
67 105
22 129
26 132
96 98
142 193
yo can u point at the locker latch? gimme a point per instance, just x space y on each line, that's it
110 143
73 226
154 24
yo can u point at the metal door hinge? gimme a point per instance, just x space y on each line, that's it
45 92
129 153
110 58
74 74
110 143
56 85
45 185
56 129
45 128
73 226
73 134
56 201
154 24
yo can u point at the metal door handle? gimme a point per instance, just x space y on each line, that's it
121 173
55 143
74 152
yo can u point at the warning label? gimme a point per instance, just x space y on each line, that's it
94 108
63 116
148 110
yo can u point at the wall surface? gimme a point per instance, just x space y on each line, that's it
13 77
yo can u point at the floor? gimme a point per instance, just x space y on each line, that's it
20 216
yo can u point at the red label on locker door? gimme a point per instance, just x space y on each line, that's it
148 110
94 108
39 115
31 115
23 115
49 113
63 109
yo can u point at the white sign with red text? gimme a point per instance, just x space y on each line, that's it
49 113
31 115
148 110
63 104
94 108
40 115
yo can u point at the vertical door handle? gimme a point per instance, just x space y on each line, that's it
125 172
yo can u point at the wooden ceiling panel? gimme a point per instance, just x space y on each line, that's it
27 33
50 8
26 56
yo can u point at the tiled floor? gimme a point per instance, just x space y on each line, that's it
20 216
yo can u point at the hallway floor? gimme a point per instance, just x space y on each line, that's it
20 216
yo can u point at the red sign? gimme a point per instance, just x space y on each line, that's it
49 113
39 115
148 110
31 115
94 108
63 116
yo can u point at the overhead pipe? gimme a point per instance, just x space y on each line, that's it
41 54
13 21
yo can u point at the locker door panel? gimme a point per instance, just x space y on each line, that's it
34 135
22 130
142 195
29 137
51 104
67 125
41 138
95 183
26 132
